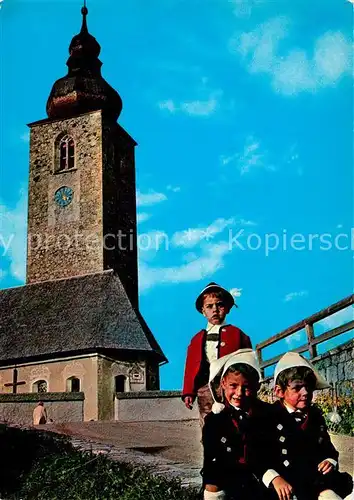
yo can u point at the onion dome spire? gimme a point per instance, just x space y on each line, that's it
84 12
83 89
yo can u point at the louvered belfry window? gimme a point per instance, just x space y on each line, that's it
66 153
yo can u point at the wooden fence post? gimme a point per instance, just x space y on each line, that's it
259 356
310 338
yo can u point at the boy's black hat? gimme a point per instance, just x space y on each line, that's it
214 287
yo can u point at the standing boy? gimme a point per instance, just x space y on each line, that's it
296 456
231 427
213 342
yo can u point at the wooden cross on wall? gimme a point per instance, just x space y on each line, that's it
14 383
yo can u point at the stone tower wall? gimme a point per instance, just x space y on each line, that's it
119 207
97 230
65 241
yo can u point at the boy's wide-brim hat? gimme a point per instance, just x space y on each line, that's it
218 368
212 288
292 359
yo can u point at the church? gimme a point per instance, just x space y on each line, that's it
75 326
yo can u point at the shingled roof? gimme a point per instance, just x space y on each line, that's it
79 314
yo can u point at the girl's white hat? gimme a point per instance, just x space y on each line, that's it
219 367
292 359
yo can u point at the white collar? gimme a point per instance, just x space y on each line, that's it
289 408
214 328
292 410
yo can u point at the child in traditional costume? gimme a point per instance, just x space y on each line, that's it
231 427
296 457
216 340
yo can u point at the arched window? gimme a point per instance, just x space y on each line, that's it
119 383
66 153
40 386
73 384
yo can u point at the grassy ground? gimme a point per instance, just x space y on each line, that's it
35 465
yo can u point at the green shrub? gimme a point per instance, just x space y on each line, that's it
345 408
41 466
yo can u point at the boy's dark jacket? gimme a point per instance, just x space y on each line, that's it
294 450
231 339
227 437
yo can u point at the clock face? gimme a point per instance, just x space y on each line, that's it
63 196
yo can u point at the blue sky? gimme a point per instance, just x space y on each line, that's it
243 115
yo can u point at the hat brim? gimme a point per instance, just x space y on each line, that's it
228 298
293 359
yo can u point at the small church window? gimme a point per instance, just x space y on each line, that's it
66 153
40 386
73 384
120 383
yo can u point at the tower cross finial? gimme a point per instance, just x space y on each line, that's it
84 12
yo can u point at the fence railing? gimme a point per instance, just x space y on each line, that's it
308 325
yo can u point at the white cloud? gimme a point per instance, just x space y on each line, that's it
236 292
295 295
13 236
142 217
25 137
197 107
244 8
297 70
192 236
150 198
200 268
252 157
339 318
246 222
205 259
168 104
174 189
152 242
294 338
189 257
200 108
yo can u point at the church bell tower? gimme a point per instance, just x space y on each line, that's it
82 202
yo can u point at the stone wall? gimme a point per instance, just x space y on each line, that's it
337 365
108 369
65 241
61 407
152 406
56 373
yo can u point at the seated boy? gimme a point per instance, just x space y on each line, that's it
299 460
215 341
230 426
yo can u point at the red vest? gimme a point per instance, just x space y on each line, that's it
231 339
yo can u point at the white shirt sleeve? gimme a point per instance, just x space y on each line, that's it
214 495
333 462
268 477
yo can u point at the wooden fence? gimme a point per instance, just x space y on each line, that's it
312 341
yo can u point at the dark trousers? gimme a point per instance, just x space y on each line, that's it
339 482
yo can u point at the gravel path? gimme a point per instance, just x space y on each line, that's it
169 448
